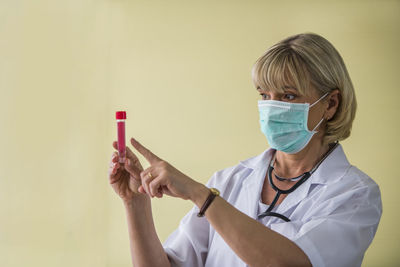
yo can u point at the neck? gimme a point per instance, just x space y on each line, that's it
292 165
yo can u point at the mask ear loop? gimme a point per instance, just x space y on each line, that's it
322 97
316 126
319 123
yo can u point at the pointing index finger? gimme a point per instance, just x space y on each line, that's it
151 158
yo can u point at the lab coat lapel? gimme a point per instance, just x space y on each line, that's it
251 190
295 197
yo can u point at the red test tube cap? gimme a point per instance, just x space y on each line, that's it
120 115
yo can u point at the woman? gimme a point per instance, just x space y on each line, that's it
299 203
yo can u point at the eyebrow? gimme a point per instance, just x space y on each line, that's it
285 87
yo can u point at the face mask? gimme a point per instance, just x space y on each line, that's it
285 124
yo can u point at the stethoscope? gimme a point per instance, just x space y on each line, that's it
300 180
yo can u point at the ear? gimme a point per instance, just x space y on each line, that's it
334 98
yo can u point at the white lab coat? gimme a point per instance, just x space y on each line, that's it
334 214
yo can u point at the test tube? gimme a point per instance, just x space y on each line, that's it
121 117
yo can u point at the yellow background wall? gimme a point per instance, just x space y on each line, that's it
181 69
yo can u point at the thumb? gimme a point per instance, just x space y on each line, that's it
141 190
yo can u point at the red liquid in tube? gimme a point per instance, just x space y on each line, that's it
121 117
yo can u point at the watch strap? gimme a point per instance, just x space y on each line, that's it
213 193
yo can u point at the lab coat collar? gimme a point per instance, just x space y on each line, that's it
333 168
258 161
330 170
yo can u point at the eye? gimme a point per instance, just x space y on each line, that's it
264 96
289 96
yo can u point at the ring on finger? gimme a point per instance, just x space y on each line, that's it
150 176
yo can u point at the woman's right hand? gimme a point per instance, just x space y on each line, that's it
125 177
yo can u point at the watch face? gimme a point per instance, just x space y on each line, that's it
215 191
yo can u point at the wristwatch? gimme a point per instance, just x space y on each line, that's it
213 193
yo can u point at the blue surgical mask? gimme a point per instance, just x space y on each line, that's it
285 124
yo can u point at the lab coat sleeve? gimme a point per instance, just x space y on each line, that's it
188 245
341 237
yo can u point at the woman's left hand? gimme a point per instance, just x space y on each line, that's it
161 177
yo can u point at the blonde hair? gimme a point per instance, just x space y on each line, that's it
308 62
